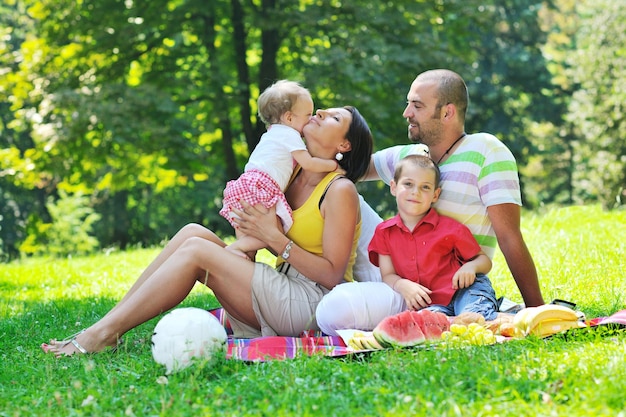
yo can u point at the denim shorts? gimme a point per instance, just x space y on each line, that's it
479 297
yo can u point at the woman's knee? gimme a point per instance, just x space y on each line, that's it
194 230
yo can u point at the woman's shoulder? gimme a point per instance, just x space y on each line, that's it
341 183
341 188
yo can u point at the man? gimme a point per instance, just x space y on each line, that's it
480 188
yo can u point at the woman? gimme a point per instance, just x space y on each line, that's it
317 253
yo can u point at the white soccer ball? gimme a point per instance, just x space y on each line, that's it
184 335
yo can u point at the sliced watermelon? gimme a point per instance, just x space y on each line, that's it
400 330
434 323
410 328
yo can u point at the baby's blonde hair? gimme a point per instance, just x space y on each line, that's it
279 98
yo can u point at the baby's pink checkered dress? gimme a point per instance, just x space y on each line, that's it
256 187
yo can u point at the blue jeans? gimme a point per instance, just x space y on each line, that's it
479 297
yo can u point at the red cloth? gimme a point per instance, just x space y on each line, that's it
618 318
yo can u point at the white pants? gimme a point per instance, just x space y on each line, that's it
357 305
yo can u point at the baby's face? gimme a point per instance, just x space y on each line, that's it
301 113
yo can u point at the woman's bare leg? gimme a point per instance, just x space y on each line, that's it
186 232
166 287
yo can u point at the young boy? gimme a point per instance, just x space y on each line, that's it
285 107
433 261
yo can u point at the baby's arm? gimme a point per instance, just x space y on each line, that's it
314 164
415 295
466 274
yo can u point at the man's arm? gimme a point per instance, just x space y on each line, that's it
371 174
505 219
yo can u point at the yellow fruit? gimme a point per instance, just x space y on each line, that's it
519 320
510 330
475 328
549 327
529 318
354 345
458 329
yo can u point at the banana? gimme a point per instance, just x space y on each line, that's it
519 320
549 327
366 342
529 318
549 312
372 343
355 343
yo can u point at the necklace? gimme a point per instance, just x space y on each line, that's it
451 146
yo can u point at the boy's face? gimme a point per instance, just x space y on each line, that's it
300 114
415 190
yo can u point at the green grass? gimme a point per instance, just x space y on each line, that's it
580 254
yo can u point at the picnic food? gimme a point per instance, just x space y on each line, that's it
546 320
468 317
360 341
410 328
471 334
510 330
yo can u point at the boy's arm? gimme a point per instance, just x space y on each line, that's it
387 271
466 274
415 295
313 163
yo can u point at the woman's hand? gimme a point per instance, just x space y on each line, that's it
259 222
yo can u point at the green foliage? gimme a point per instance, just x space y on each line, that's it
579 375
149 106
597 109
582 158
69 233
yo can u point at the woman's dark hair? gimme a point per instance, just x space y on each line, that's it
357 160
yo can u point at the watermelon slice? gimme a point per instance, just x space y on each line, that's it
410 328
399 330
434 323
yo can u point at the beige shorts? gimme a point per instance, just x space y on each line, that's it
284 302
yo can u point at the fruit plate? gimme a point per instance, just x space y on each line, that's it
349 335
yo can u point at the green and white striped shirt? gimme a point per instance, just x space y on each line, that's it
481 172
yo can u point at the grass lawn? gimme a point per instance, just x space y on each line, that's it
580 253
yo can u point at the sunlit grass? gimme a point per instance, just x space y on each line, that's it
580 254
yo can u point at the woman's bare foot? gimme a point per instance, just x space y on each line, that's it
81 343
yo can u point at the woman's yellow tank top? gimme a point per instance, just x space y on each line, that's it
308 225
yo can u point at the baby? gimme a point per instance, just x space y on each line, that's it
285 107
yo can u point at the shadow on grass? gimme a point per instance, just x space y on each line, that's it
30 323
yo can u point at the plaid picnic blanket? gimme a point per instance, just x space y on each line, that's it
310 343
280 347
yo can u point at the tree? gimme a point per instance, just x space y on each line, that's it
597 109
149 107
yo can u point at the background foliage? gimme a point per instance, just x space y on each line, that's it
146 108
